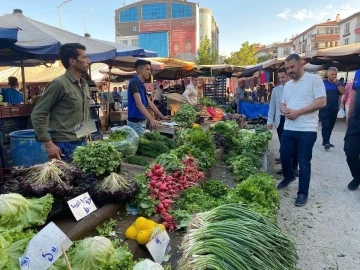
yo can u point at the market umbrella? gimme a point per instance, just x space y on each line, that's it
175 73
8 35
40 41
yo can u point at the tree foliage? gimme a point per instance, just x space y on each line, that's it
244 57
205 55
263 58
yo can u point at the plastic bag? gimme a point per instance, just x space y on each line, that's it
130 145
341 113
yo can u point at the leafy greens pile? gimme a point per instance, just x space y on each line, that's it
98 157
185 116
16 210
153 144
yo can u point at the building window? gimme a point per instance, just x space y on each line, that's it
156 41
286 51
180 11
331 43
336 44
135 29
135 42
154 12
346 41
316 45
125 42
347 28
129 15
326 44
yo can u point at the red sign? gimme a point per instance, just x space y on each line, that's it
183 39
154 26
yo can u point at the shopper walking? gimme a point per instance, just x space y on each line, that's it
346 99
352 137
276 117
328 114
302 98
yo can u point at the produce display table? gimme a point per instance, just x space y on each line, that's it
253 109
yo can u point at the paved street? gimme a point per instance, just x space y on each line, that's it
327 229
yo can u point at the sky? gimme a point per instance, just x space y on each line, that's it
238 20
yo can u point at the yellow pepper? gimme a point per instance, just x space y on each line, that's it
196 125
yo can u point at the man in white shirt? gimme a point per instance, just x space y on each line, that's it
191 92
302 98
159 91
275 116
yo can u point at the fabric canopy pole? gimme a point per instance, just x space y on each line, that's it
23 81
108 99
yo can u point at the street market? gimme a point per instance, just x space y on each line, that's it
115 157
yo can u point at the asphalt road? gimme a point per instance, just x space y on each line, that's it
327 229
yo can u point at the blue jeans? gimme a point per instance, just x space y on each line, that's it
139 127
68 148
304 142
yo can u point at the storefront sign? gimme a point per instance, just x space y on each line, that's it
154 26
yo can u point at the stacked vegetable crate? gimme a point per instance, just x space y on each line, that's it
216 91
8 125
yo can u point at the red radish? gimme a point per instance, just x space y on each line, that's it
155 178
157 184
158 172
168 201
163 187
152 183
166 206
149 174
160 205
157 166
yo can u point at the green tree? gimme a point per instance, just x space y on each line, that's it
263 58
244 57
205 56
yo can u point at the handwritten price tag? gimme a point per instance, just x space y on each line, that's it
45 248
158 246
81 206
85 128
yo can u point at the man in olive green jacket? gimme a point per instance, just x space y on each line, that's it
66 100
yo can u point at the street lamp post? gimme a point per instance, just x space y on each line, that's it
86 9
59 7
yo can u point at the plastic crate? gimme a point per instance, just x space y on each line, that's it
5 155
94 112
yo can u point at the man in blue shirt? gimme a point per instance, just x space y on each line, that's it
328 114
11 95
352 137
138 100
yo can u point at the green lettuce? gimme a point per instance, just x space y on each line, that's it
16 210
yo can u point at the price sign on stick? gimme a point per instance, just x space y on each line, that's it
85 128
45 248
81 206
158 246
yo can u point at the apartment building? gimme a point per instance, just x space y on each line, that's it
319 36
282 49
350 30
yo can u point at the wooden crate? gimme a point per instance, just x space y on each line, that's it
118 116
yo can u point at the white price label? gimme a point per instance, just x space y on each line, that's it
81 206
45 248
158 246
85 128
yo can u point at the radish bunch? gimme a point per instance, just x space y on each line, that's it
166 187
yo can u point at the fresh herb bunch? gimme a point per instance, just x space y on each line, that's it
234 156
145 204
170 162
106 228
185 116
117 136
153 144
258 191
98 157
135 160
252 142
242 168
215 188
206 101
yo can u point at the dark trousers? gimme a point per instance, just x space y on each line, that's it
328 120
303 142
352 152
280 131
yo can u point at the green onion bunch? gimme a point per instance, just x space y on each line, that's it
234 237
